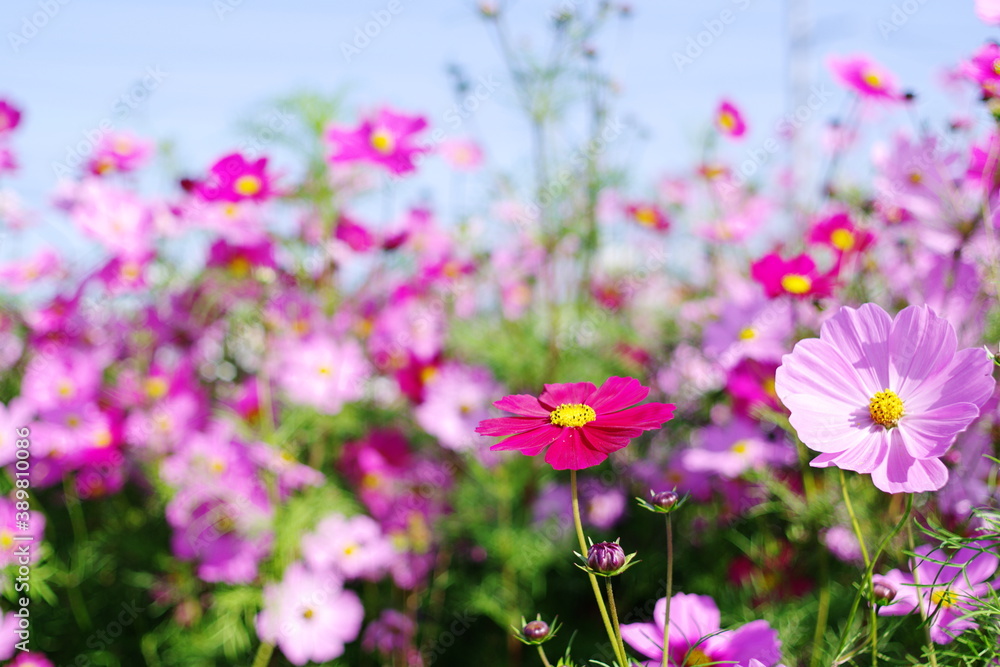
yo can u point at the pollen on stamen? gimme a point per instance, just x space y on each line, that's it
886 408
572 414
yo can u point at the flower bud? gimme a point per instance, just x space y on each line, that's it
606 557
883 593
665 499
536 630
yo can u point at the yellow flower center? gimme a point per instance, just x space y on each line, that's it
872 79
646 216
6 539
324 370
697 657
350 549
794 283
572 414
944 598
886 408
131 270
727 121
748 334
739 447
915 177
382 141
239 267
247 185
66 388
73 421
102 438
308 613
996 66
842 239
156 387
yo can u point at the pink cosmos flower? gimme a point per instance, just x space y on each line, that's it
734 449
696 637
796 277
309 615
391 632
10 117
884 396
983 68
10 531
321 371
578 424
648 215
865 77
839 232
119 152
351 547
945 587
461 154
233 178
729 120
988 11
387 138
456 399
31 659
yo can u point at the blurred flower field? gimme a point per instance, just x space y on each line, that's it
717 416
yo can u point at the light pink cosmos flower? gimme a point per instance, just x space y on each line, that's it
696 637
865 77
309 615
988 11
387 139
351 547
20 274
461 154
884 396
321 372
732 450
729 120
456 399
31 659
119 152
10 530
944 587
115 217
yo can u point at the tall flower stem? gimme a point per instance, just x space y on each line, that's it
866 584
670 586
545 659
619 654
931 653
263 657
614 616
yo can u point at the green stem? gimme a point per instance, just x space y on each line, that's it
866 584
593 579
263 656
931 653
541 653
823 614
614 616
664 662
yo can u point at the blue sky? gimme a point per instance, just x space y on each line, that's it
222 61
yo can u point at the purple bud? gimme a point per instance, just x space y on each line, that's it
606 557
536 630
665 499
883 592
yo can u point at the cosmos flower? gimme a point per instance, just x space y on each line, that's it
796 277
865 77
10 117
119 152
988 11
309 615
648 215
839 232
321 372
233 178
729 120
732 450
461 154
944 587
578 424
981 68
696 637
456 399
352 547
386 138
884 396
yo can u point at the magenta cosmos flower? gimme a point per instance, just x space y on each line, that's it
696 637
578 423
729 120
386 138
883 396
796 277
865 77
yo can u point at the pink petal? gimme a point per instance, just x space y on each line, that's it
530 442
570 452
500 426
827 425
868 455
920 345
815 367
617 393
645 638
905 601
901 473
646 417
522 404
756 639
603 441
967 379
692 618
862 338
558 394
930 434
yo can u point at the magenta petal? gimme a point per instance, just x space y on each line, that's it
646 416
692 618
571 452
532 440
617 393
603 441
500 426
930 434
558 394
905 601
756 639
645 638
522 404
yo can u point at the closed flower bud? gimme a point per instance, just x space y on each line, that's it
883 593
536 630
665 499
606 557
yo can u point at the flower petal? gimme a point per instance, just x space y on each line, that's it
645 638
901 473
862 338
617 393
967 379
529 442
500 426
522 404
930 434
921 344
647 416
571 452
558 394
